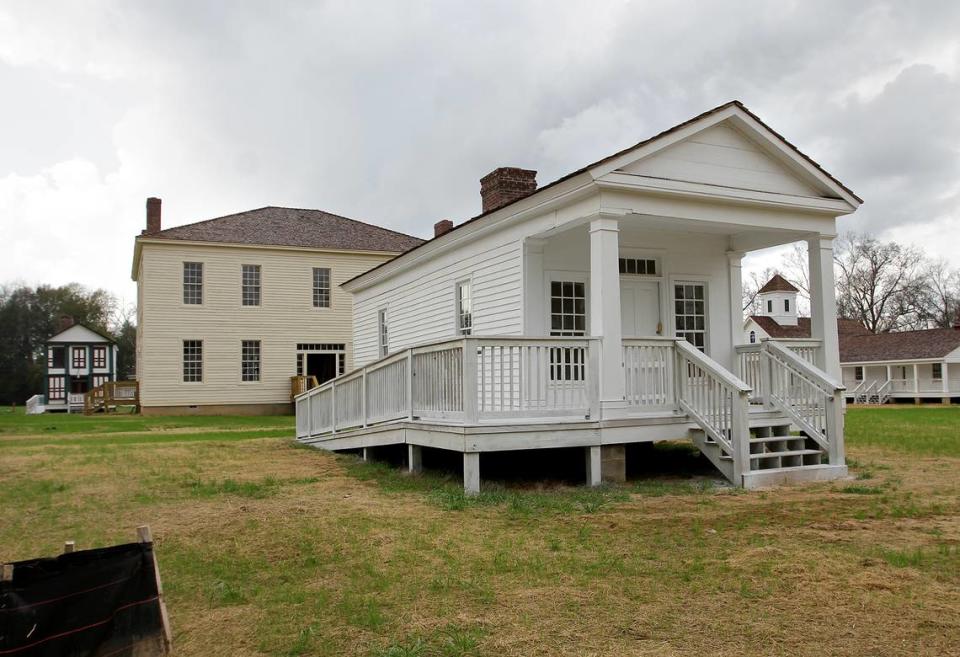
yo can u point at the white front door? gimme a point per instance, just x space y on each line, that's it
639 308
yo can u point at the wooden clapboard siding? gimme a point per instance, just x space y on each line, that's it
421 308
722 156
285 317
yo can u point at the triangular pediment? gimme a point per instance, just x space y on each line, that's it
722 155
728 147
78 334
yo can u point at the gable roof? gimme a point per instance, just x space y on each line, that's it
776 330
79 333
777 284
278 226
446 236
846 328
902 345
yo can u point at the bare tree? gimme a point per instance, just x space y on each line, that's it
880 284
942 294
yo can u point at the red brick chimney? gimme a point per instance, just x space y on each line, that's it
66 321
441 227
153 216
506 184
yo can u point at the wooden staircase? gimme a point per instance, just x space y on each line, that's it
777 455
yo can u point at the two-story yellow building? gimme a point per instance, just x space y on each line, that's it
229 309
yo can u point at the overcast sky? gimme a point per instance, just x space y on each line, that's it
391 112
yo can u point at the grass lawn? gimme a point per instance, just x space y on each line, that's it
267 548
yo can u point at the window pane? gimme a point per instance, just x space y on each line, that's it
193 360
250 360
193 283
321 287
250 285
568 308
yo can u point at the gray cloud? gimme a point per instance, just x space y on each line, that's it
392 114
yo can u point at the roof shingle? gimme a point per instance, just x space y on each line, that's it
778 284
276 226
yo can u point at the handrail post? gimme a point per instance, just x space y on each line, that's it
678 375
410 375
333 406
740 434
363 397
593 378
469 382
834 422
766 376
310 415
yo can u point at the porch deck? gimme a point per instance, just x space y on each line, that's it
480 394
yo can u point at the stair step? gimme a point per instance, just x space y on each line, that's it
773 439
795 452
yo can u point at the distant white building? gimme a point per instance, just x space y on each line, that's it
913 366
78 359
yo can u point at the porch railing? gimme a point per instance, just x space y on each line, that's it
717 401
469 380
648 366
750 363
807 395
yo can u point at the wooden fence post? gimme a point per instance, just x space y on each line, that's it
144 536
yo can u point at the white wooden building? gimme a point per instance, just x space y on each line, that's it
79 359
906 366
604 309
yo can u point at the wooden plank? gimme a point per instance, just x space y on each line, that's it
145 536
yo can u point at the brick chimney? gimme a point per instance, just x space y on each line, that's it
441 227
153 216
506 184
956 321
66 321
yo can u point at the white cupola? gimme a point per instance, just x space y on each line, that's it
778 301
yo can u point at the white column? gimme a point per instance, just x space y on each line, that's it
471 473
534 289
916 379
414 458
735 265
945 373
823 304
593 465
605 307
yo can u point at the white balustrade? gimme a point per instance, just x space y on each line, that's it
648 372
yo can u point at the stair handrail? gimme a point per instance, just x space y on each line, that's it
824 429
728 424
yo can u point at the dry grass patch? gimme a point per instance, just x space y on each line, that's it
269 549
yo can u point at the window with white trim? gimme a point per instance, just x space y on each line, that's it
250 285
937 372
786 305
568 308
249 360
193 361
769 305
321 287
384 337
56 356
79 358
100 379
638 266
100 357
690 312
464 308
858 373
193 283
55 388
753 337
